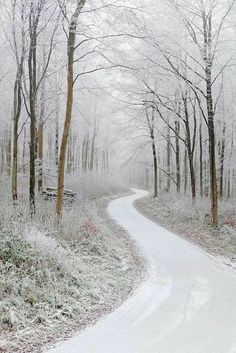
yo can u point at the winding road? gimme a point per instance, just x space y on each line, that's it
186 305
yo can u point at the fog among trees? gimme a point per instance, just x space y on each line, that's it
112 112
144 91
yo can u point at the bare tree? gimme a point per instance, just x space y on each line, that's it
19 49
71 44
205 31
37 11
150 116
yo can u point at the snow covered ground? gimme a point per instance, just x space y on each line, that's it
57 281
187 304
178 215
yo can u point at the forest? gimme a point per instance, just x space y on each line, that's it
139 91
97 97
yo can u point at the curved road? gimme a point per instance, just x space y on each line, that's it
186 305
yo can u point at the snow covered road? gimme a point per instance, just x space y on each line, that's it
186 305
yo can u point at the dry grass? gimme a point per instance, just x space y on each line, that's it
54 281
193 222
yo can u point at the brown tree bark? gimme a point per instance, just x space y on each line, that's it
17 105
69 105
41 128
32 103
200 160
16 117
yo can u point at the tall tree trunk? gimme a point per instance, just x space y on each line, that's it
222 160
185 170
40 156
69 105
24 150
87 153
16 117
69 147
32 102
92 152
200 160
66 130
177 154
8 152
41 138
208 58
14 187
168 149
83 154
146 178
151 127
160 172
212 153
107 161
57 132
190 149
229 184
155 167
2 157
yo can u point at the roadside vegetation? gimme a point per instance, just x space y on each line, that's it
56 280
178 214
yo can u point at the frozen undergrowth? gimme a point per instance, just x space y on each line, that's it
53 281
193 222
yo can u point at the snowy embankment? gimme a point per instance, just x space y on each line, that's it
53 283
193 223
186 305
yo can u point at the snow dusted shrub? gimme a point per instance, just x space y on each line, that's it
37 283
53 278
182 208
229 222
89 228
40 242
178 206
186 209
193 222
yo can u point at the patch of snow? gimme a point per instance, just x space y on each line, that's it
40 241
196 316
